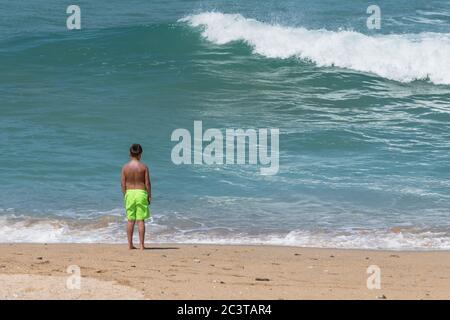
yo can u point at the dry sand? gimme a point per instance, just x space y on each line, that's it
39 271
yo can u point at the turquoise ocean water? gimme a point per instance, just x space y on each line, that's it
364 119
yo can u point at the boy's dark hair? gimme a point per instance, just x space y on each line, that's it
135 150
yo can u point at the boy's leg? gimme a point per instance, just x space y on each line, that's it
141 227
130 229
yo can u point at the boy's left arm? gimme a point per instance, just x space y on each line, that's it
123 181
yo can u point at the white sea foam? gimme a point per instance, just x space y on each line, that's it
404 58
375 239
32 230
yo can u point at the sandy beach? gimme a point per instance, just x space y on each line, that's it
173 271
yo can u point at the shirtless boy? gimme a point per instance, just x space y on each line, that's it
137 191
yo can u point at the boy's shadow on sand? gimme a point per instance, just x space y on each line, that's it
161 248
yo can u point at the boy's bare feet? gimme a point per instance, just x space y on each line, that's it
132 247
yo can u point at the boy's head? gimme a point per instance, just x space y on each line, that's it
136 151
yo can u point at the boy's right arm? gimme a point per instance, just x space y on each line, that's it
148 184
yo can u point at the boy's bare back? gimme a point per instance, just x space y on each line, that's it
135 174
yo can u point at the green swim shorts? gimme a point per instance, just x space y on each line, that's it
136 204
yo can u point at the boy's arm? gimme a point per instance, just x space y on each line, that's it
123 181
148 184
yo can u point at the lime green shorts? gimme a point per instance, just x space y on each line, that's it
136 204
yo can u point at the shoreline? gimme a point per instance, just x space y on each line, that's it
151 244
195 244
204 271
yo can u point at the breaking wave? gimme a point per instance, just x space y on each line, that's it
399 57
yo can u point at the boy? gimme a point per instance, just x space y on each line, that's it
137 191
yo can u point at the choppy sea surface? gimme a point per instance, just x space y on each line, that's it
364 119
